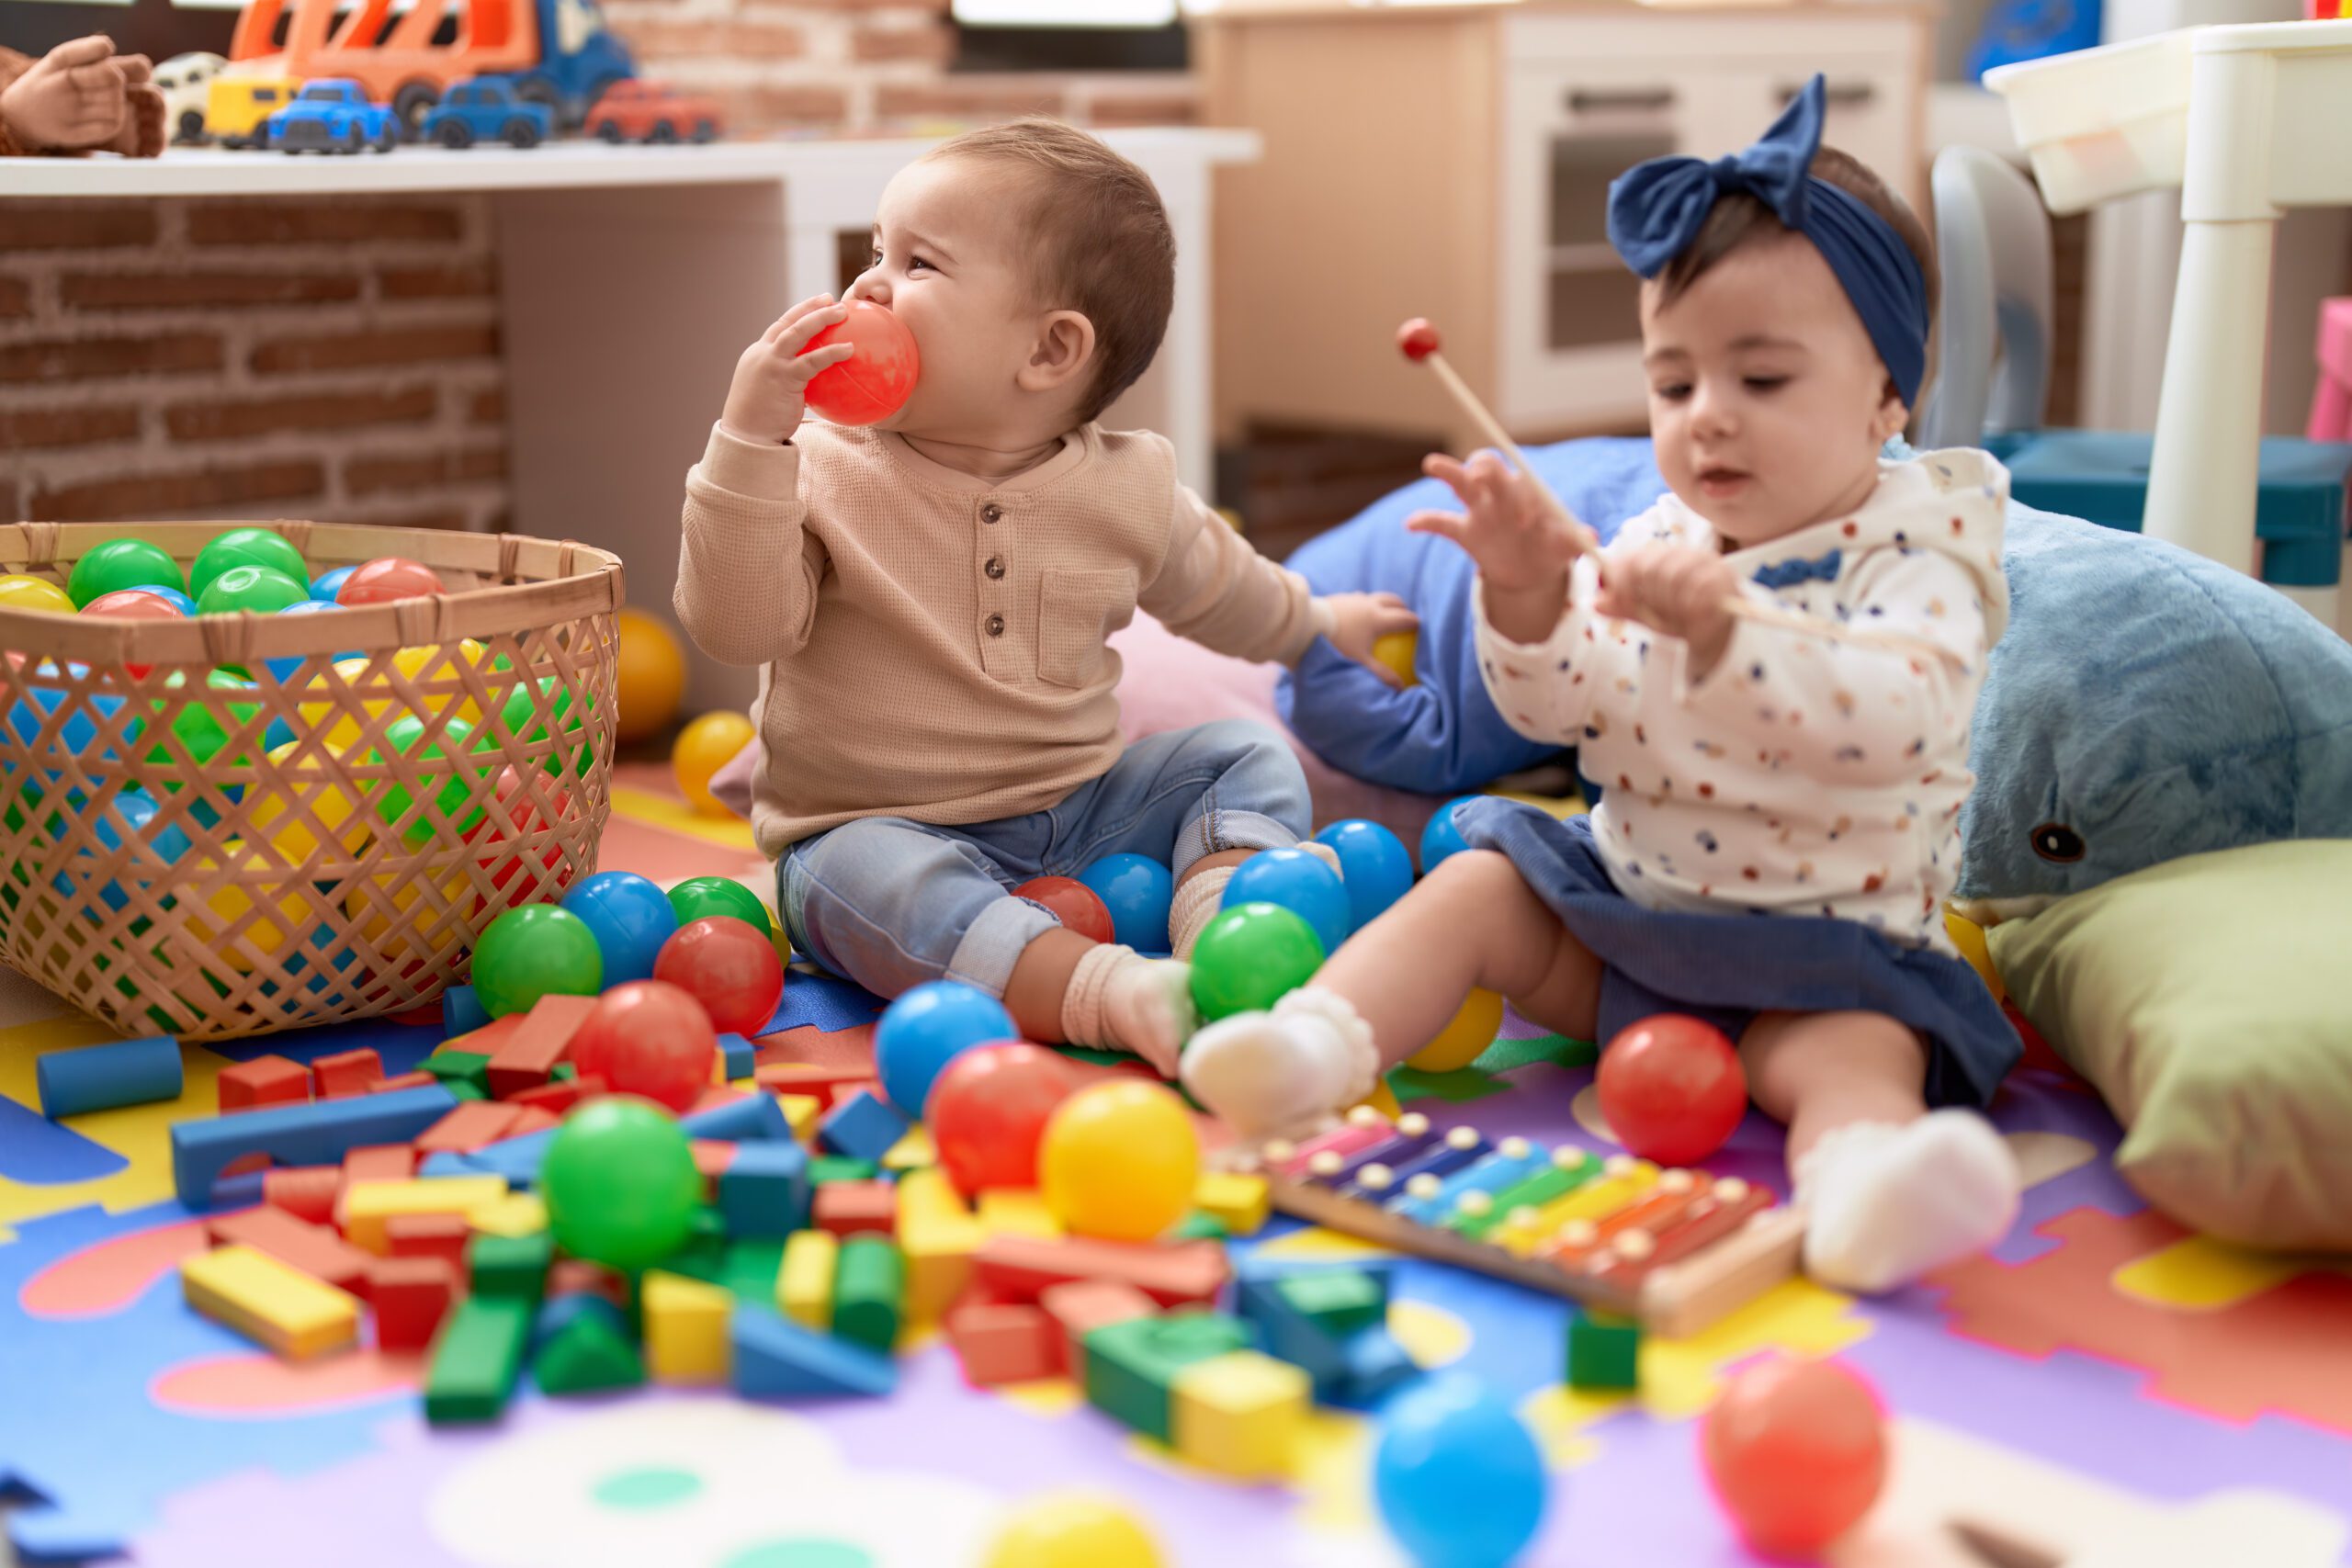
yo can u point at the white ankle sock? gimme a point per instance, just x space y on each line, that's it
1120 1000
1327 855
1887 1203
1197 905
1281 1074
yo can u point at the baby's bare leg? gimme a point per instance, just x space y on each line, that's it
1819 1070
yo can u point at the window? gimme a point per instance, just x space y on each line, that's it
1069 35
264 94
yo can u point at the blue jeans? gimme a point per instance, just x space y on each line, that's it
890 903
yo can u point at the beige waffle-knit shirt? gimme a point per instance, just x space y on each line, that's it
932 645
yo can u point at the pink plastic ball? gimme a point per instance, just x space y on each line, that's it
1672 1088
648 1038
382 581
874 382
729 967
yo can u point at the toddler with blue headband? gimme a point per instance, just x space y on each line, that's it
1809 775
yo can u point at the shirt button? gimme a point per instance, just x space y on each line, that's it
996 625
991 513
995 567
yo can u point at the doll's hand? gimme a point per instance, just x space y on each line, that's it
770 394
1362 619
75 96
1676 590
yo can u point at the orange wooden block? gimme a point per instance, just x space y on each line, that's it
846 1208
562 1096
265 1080
306 1191
417 1079
1081 1306
1190 1272
822 1083
485 1040
379 1162
428 1236
472 1125
345 1072
996 1344
531 1051
316 1250
712 1157
718 1097
531 1119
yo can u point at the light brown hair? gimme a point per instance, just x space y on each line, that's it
1102 244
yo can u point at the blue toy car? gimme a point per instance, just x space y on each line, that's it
333 115
486 109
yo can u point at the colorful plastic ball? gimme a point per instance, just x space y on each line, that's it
1464 1040
327 584
119 564
128 818
728 967
1396 651
1458 1477
874 382
648 1037
405 737
508 875
1074 1530
631 919
244 547
20 592
251 883
703 747
652 677
699 896
1138 891
1300 882
1797 1452
1073 903
523 716
134 604
987 1112
176 598
285 667
1373 863
1672 1089
387 579
620 1183
928 1027
1442 838
309 797
257 590
1251 957
533 951
1119 1160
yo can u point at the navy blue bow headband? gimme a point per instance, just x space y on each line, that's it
1655 210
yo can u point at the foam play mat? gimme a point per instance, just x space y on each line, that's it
2105 1385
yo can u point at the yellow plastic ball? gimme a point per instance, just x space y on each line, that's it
1465 1040
272 930
1395 650
703 747
1075 1530
365 906
431 663
1383 1099
278 814
19 593
652 676
1969 937
1119 1160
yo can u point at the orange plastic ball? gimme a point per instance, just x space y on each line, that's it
1796 1452
652 676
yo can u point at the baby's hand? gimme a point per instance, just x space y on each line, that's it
770 394
1519 542
1676 590
1362 619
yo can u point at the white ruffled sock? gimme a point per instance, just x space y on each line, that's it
1120 1000
1281 1074
1198 900
1887 1203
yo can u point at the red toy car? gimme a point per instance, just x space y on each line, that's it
649 111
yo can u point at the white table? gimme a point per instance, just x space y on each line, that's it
631 277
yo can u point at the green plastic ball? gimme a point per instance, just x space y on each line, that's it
620 1183
198 725
699 897
538 949
263 590
404 736
119 564
1250 957
521 717
246 547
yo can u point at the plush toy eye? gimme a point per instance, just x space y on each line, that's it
2056 841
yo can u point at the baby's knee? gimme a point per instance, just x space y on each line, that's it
1475 873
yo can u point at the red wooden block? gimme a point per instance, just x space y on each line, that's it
1188 1272
559 1098
577 1276
306 1191
422 1016
712 1157
718 1097
485 1040
417 1079
474 1124
345 1072
411 1295
845 1208
265 1080
1005 1343
1081 1306
316 1250
531 1051
428 1236
823 1083
532 1119
379 1162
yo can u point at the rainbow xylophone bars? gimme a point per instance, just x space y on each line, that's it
1675 1249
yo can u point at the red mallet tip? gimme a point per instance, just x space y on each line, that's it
1418 339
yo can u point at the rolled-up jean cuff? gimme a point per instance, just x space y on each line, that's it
1216 831
992 944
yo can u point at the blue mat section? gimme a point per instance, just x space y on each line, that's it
813 996
37 1152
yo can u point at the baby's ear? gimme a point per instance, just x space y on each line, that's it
1063 352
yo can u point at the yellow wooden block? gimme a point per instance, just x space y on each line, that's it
1595 1200
1240 1415
1018 1211
804 1286
366 1207
271 1302
686 1330
1235 1199
802 1112
938 1236
912 1152
517 1214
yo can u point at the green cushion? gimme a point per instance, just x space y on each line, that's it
2208 999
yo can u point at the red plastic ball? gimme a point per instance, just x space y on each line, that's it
987 1112
1672 1088
1078 907
1417 339
1796 1452
729 967
382 581
651 1039
874 382
507 875
134 604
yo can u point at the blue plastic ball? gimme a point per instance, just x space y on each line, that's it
1442 838
1459 1479
327 584
926 1029
284 668
631 919
1138 890
1298 882
1379 870
131 816
170 595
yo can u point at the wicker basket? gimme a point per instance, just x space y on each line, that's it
297 868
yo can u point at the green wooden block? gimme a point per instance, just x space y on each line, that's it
565 1072
1551 1181
588 1355
455 1067
1131 1366
466 1089
869 1287
1604 1352
841 1168
751 1268
476 1358
511 1265
1342 1302
1198 1225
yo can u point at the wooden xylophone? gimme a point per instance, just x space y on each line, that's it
1674 1249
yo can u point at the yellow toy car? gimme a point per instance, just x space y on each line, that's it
237 112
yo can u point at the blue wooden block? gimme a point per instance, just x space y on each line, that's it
448 1162
739 1056
778 1360
461 1012
319 1132
1376 1367
862 1127
557 1311
756 1118
1289 1334
517 1159
110 1076
764 1192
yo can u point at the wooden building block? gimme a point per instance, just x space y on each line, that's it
417 1079
1017 1211
345 1072
316 1250
476 1358
1240 1415
1131 1366
558 1095
428 1236
265 1080
367 1205
476 1124
517 1214
938 1237
1004 1342
804 1287
531 1050
869 1291
306 1191
1239 1201
1080 1307
847 1208
410 1296
270 1302
765 1192
379 1162
821 1084
1187 1273
1604 1352
803 1111
686 1332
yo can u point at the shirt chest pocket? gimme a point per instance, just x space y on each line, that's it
1076 611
